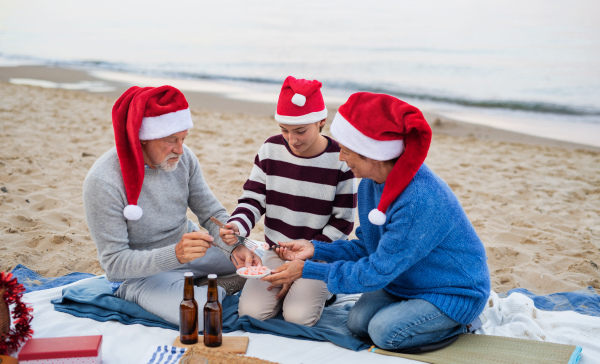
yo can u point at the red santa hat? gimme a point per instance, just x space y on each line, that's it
144 114
300 102
382 127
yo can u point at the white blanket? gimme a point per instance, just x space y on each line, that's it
514 316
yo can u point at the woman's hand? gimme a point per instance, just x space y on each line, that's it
244 257
295 249
285 274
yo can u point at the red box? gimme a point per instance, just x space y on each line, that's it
62 350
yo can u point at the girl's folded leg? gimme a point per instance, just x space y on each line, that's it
304 303
256 301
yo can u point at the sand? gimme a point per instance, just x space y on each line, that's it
535 203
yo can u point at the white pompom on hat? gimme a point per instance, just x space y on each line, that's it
382 127
144 114
300 102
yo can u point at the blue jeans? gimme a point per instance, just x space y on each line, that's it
395 323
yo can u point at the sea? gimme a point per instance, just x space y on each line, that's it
531 66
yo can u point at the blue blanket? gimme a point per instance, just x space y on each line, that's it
93 299
585 301
32 281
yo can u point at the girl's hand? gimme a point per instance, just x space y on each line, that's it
244 257
227 233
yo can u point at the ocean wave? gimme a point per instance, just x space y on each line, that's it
153 71
513 105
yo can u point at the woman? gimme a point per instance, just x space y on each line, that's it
417 259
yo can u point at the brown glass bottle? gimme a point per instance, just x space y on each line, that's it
213 315
188 313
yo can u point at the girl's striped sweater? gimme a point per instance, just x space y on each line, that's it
301 198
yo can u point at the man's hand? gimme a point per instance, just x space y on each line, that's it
285 274
295 249
227 232
192 246
244 257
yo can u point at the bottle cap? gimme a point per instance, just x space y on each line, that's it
188 274
212 276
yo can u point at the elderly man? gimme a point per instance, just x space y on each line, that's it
136 198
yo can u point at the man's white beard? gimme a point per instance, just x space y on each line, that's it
167 166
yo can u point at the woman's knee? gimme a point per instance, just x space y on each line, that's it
358 322
387 334
406 340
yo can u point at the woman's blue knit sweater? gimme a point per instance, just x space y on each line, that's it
426 249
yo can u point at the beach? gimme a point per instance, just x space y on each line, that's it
534 202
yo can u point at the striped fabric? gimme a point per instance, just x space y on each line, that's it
302 198
164 354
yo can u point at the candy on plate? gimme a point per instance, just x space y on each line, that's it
257 271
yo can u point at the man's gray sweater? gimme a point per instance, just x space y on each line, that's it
144 247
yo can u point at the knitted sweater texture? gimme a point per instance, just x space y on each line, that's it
426 249
135 249
301 198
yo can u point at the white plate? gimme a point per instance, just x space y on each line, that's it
243 269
